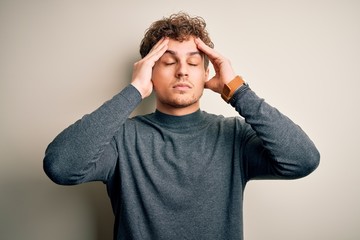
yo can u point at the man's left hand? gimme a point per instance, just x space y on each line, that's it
224 72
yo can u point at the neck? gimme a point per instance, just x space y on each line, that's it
182 124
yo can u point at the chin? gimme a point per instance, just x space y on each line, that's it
182 103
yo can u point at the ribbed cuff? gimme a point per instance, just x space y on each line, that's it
131 94
237 94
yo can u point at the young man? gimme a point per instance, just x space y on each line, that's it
180 173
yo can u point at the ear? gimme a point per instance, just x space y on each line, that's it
207 72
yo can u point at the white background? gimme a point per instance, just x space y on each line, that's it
62 59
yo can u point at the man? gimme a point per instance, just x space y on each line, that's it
180 173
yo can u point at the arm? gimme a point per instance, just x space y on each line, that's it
82 152
275 146
85 151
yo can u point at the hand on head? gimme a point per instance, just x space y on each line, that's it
224 72
142 70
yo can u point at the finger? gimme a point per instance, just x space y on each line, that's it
211 53
158 50
159 44
158 54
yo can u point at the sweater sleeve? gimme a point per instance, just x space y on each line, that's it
275 147
85 151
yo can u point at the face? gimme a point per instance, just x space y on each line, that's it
179 77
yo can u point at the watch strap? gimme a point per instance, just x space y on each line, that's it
230 88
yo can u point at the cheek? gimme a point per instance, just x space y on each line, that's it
156 75
200 82
202 75
155 70
158 78
159 71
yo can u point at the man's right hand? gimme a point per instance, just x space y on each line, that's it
142 71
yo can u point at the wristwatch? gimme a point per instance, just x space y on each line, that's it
230 88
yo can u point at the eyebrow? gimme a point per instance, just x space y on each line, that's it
189 53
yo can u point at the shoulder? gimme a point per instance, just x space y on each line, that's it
228 122
222 118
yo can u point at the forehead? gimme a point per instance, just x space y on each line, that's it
186 47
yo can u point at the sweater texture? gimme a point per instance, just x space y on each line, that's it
179 177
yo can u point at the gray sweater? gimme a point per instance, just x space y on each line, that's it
179 177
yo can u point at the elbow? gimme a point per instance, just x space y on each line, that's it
298 166
57 170
53 170
308 162
312 161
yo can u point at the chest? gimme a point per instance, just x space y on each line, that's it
178 170
181 156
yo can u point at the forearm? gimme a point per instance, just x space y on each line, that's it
291 153
72 157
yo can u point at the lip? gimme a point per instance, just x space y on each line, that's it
182 86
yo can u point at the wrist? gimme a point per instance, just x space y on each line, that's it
144 92
230 88
238 93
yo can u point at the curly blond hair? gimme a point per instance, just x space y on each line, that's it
179 27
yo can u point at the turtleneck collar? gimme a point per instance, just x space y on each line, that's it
188 122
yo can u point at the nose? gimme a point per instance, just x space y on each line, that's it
182 70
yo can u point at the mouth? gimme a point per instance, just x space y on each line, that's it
182 86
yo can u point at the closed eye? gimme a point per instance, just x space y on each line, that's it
193 64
